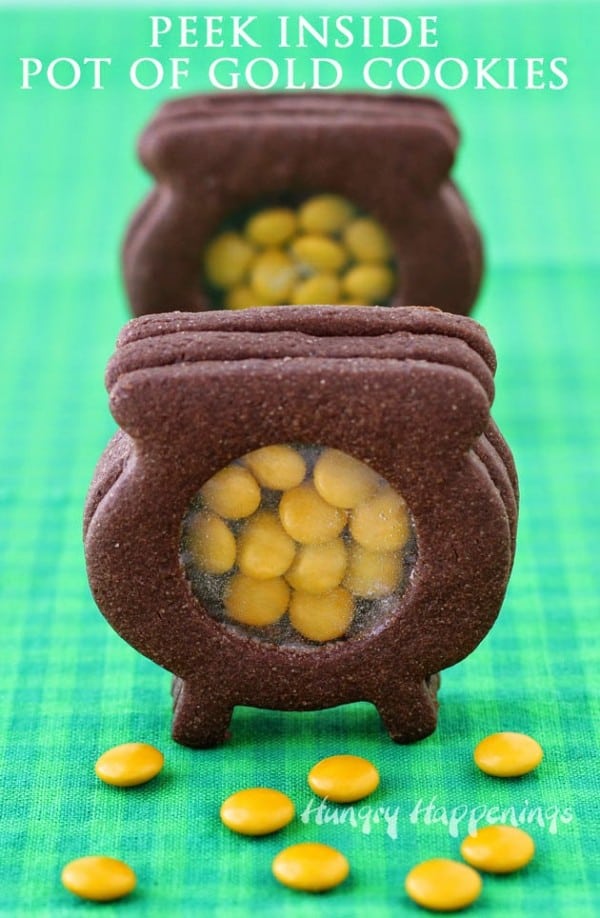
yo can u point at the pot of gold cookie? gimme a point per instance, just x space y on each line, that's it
303 198
303 507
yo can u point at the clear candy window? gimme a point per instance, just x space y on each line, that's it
304 250
298 545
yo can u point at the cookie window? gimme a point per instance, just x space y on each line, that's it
298 545
300 251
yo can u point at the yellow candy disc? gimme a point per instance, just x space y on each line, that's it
319 253
323 617
367 240
256 602
101 879
372 574
272 277
278 467
311 866
129 764
508 755
325 213
498 849
233 493
257 811
265 550
320 288
343 778
381 523
271 227
227 260
368 282
342 480
307 518
212 544
318 568
443 885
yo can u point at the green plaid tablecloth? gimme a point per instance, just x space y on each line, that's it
70 688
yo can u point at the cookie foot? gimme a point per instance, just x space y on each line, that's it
409 710
199 721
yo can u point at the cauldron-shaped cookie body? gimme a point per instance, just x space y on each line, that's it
406 391
215 156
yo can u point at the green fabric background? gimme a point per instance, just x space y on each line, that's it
70 688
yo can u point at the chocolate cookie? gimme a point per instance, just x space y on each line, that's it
303 508
200 239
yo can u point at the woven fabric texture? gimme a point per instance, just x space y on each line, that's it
70 688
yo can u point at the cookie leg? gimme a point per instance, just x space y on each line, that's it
409 709
198 720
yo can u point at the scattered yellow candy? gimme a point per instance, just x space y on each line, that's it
342 480
306 517
211 543
233 493
256 602
241 297
257 811
508 755
323 617
227 260
277 467
272 277
498 849
319 253
372 574
368 283
101 879
318 568
443 885
271 227
367 240
343 778
129 764
265 550
323 289
325 213
381 523
311 867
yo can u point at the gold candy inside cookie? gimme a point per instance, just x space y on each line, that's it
297 544
323 250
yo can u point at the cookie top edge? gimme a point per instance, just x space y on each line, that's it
214 106
196 115
317 321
